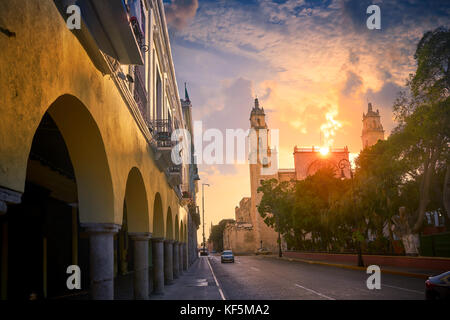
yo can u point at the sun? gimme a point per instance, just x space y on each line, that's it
324 150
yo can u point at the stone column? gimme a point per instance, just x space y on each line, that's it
101 259
176 262
168 262
158 265
140 276
180 261
6 197
185 257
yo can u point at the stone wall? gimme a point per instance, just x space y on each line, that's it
240 238
242 213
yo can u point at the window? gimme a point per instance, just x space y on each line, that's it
158 102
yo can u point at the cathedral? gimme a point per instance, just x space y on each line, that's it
249 232
372 128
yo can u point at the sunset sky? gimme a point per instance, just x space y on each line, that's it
309 62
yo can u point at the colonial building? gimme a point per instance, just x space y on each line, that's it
190 188
250 232
372 128
86 175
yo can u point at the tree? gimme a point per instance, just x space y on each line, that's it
275 206
216 235
423 114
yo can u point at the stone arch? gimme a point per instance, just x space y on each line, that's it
169 225
320 164
158 217
87 153
177 229
136 202
182 231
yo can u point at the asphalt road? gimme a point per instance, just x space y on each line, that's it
261 278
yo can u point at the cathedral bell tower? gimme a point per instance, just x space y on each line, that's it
262 165
372 128
259 137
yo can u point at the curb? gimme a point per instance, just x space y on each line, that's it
344 266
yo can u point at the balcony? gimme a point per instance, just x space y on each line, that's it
109 24
187 194
140 93
174 175
162 133
139 34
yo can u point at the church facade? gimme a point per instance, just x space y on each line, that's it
249 232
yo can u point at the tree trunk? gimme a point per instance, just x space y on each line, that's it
446 191
429 168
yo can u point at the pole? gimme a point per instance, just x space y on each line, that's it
203 212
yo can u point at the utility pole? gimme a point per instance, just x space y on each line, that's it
203 211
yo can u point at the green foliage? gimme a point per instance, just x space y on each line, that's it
216 235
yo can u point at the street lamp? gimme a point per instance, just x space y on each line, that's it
203 211
342 165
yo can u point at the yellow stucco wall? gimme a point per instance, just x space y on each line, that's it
43 63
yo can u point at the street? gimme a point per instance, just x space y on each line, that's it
267 278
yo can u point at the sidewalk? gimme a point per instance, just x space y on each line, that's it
197 283
408 272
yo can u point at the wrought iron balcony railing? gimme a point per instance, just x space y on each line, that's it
162 131
176 169
140 93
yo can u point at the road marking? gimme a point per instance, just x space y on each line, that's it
399 288
215 279
318 293
253 268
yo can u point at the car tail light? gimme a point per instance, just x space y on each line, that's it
429 284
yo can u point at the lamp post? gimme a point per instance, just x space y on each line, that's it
342 165
203 211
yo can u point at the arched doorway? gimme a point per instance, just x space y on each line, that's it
135 222
177 229
67 182
158 218
169 225
158 246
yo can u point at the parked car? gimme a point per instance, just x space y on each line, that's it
438 287
227 256
262 251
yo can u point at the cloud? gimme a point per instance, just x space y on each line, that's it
304 59
353 83
180 12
